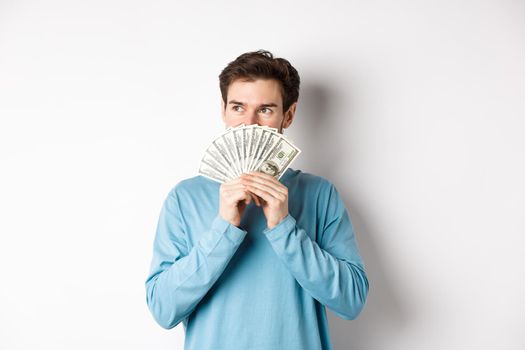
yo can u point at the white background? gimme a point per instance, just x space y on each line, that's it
414 109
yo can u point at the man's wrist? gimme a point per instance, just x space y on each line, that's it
282 228
234 222
223 224
273 224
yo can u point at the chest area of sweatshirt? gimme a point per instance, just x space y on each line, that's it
200 208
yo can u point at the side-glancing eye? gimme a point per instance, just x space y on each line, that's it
265 110
237 108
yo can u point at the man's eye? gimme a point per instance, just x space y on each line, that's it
266 110
237 108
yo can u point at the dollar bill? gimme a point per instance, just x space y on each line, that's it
254 136
270 143
229 141
222 148
237 139
209 172
216 160
246 148
279 158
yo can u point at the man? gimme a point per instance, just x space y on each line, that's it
252 263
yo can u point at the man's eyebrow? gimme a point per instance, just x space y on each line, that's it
234 102
268 105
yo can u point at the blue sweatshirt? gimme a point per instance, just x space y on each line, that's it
251 287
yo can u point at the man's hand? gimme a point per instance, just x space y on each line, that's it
274 195
233 199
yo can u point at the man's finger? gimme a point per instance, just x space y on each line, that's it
256 199
270 188
270 182
267 197
234 189
264 176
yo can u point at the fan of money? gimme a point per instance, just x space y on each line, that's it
247 148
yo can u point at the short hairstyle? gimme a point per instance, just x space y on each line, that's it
262 65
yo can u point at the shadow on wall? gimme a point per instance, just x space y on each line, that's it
321 111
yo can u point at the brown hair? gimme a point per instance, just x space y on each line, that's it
262 65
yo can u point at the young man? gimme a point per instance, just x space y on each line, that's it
252 263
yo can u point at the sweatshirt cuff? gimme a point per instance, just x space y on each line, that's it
282 229
226 229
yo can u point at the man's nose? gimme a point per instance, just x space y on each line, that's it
251 118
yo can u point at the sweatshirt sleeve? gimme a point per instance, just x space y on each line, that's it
179 276
330 268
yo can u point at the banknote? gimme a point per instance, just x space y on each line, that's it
246 148
279 158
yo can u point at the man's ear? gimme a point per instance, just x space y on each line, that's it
289 115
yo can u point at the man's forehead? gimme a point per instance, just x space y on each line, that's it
258 91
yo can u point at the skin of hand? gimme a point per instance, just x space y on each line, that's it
233 199
273 195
